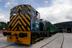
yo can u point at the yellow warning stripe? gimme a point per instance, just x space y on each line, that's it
28 21
20 29
27 16
17 19
11 17
15 29
12 12
22 21
22 25
28 28
12 20
23 7
29 7
16 24
19 8
25 19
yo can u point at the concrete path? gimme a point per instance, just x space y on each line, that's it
52 42
58 40
67 40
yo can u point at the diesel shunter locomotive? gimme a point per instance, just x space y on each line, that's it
25 25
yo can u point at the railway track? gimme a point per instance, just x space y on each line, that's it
52 41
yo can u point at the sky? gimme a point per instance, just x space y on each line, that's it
54 11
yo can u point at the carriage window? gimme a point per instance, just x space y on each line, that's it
35 26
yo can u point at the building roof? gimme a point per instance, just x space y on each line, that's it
64 24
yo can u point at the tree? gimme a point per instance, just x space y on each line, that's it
3 25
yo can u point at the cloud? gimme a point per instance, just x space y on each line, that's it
10 4
57 12
3 18
69 15
46 1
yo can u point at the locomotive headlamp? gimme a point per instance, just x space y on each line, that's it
14 14
3 28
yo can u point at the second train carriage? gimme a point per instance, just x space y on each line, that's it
25 25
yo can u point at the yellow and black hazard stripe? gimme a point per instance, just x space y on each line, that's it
19 27
26 20
20 21
11 22
19 24
19 8
13 19
28 7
